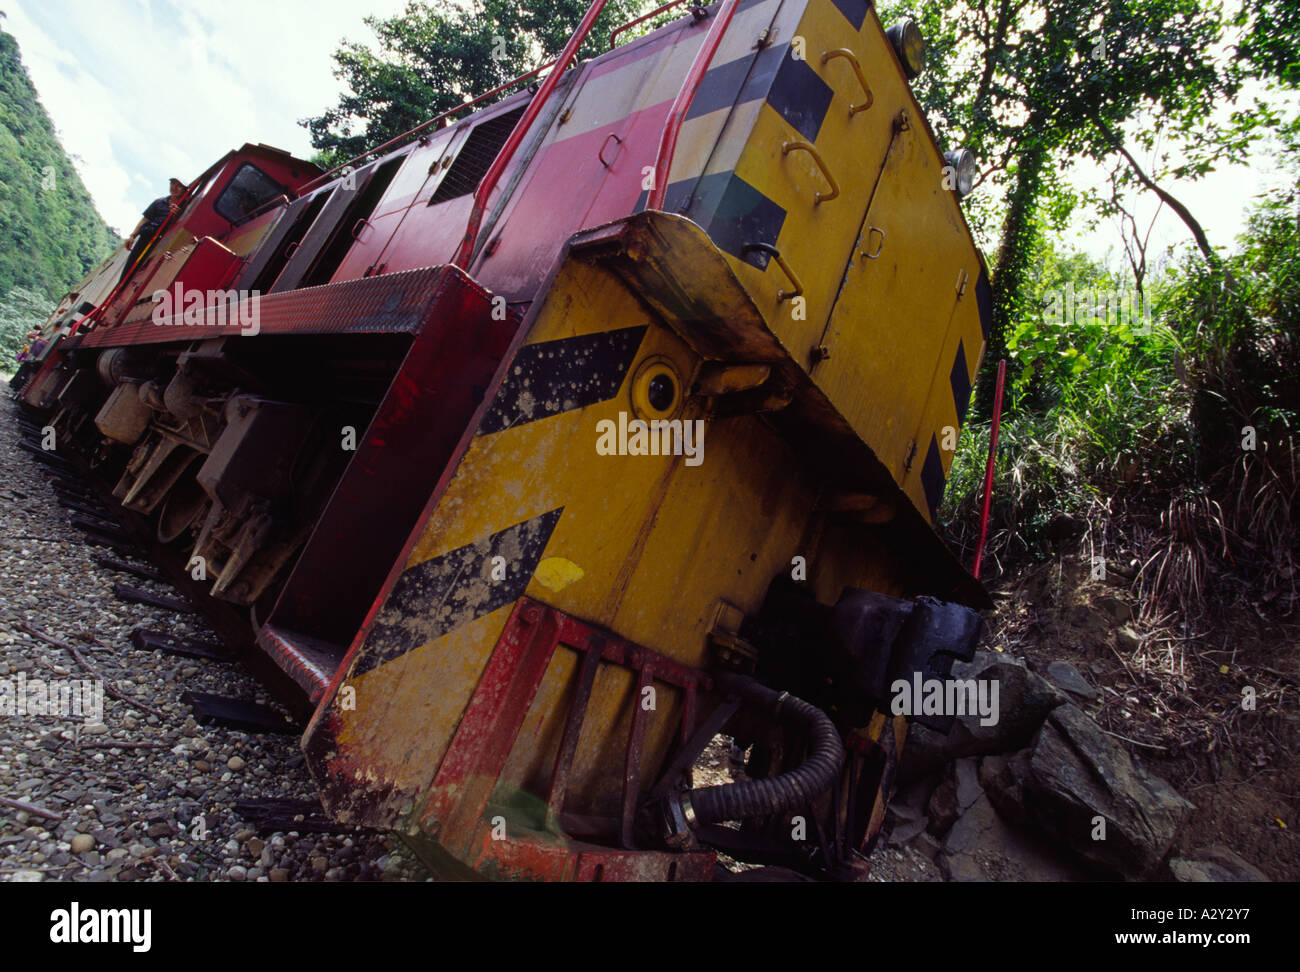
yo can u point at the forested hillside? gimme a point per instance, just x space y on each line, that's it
50 232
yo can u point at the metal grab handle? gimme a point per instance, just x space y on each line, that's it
775 254
788 147
601 154
356 228
852 58
879 246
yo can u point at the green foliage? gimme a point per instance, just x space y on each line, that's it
21 311
50 233
1271 44
1094 405
1030 87
438 55
1243 344
1100 407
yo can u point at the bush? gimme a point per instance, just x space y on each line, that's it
1099 409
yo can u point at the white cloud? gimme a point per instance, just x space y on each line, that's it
143 90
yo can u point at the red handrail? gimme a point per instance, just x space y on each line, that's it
677 114
517 136
474 101
988 471
97 311
423 125
642 19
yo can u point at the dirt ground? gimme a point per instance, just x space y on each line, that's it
1179 692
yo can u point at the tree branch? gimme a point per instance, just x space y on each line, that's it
1190 221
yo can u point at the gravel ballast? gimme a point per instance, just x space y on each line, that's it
141 793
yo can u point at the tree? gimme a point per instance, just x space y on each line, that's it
438 55
1031 86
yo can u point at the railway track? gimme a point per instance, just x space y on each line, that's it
191 771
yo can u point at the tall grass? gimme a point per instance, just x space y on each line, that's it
1103 415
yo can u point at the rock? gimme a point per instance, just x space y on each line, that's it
95 729
1118 611
942 808
82 843
255 847
1001 777
966 775
981 847
1216 864
1023 701
1063 526
928 845
1126 639
202 765
27 877
237 873
1065 676
235 763
278 875
1077 774
905 814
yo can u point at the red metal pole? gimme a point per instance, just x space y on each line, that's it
677 114
508 150
988 470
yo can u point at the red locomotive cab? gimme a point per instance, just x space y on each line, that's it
225 216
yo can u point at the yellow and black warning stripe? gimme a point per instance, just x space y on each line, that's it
550 377
455 588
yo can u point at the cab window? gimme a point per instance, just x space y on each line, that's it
249 189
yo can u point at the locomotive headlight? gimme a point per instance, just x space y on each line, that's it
909 45
960 169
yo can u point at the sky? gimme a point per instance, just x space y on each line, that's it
143 90
1220 200
235 71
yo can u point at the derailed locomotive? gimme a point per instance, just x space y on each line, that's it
376 408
